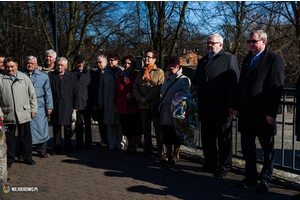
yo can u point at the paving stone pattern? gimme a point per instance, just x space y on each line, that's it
112 174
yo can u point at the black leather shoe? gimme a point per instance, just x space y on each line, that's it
263 187
56 150
29 162
8 166
247 182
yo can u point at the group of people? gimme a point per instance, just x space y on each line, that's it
252 95
121 99
118 97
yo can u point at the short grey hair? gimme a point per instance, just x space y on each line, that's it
30 58
102 56
50 51
63 59
262 34
218 36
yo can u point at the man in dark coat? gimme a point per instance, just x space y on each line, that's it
216 77
87 101
99 113
65 94
260 88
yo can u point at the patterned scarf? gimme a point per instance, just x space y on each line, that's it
146 75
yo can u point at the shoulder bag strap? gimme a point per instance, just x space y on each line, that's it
170 86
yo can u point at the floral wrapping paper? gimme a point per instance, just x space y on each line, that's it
185 118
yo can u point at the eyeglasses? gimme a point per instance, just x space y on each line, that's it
212 43
148 57
253 41
111 60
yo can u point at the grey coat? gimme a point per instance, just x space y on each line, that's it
107 85
17 99
181 85
39 124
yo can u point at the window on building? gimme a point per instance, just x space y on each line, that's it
187 62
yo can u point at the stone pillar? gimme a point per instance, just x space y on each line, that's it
3 162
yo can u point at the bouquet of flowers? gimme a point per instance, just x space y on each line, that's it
2 127
185 118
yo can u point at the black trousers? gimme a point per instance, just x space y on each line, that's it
146 117
101 126
57 135
210 132
25 141
249 154
83 117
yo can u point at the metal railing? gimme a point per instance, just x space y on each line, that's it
287 157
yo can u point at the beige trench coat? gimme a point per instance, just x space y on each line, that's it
149 90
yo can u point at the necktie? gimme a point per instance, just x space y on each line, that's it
253 61
30 74
61 76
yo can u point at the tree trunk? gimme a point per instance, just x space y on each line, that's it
179 26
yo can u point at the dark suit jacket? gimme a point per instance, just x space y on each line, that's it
65 97
87 86
217 86
260 90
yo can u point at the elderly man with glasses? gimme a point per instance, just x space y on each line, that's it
217 78
260 88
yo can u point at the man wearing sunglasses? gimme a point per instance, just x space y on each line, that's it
260 87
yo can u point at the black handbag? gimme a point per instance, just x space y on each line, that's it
156 111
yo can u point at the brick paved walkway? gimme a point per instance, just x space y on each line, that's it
112 174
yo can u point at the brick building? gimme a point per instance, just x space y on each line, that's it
189 59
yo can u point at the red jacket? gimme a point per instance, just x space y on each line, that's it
120 100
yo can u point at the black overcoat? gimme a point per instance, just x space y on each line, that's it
260 90
87 87
65 97
217 86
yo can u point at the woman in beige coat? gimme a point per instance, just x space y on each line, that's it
183 83
146 90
